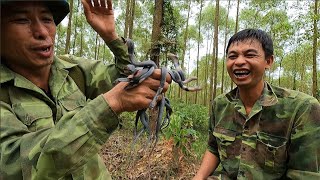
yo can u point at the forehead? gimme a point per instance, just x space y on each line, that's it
16 7
244 45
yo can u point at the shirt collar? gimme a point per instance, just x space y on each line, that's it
7 74
267 98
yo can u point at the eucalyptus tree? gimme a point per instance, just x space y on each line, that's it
76 22
198 49
236 29
156 31
272 17
185 38
215 56
224 47
129 18
302 73
67 47
315 90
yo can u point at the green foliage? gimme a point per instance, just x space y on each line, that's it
180 133
188 125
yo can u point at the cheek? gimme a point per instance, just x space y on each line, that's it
229 66
53 34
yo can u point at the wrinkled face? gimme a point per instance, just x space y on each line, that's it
27 35
246 63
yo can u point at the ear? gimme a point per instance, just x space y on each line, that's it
269 62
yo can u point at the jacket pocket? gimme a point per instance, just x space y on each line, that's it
35 115
226 140
73 101
271 151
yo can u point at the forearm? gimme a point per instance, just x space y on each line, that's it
209 163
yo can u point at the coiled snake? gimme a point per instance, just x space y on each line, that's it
156 109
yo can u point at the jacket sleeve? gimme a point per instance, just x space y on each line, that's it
304 150
212 142
54 150
98 76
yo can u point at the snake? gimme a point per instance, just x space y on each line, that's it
141 71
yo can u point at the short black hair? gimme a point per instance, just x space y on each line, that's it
254 34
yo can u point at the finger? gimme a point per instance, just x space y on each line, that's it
86 6
151 83
96 3
157 75
103 3
165 87
109 3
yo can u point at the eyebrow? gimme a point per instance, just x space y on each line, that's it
251 50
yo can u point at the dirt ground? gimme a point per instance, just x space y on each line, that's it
125 161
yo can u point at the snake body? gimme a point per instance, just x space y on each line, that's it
141 71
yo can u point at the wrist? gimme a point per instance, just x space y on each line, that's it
112 102
110 37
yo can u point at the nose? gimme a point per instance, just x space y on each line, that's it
39 30
241 60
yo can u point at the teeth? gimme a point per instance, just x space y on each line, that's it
240 73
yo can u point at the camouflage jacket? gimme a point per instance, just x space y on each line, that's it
279 139
59 137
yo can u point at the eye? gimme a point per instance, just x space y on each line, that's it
47 19
251 55
21 20
233 56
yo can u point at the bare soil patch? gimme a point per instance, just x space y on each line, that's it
165 162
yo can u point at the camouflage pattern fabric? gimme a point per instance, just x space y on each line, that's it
59 137
280 139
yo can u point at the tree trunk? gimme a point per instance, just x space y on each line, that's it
198 53
314 54
156 31
225 44
127 17
67 48
184 47
75 31
216 33
96 47
133 5
235 31
81 40
214 58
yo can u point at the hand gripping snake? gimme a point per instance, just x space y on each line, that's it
142 70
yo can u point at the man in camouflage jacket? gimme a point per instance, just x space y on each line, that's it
50 128
260 131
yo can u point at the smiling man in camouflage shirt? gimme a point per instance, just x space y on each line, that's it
50 127
260 131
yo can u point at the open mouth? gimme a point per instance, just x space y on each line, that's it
42 48
241 73
45 49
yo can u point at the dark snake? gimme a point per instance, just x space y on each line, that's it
141 71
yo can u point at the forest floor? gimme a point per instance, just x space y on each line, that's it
166 162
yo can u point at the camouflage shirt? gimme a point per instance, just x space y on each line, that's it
279 139
59 136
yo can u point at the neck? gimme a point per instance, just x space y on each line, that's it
249 96
39 77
